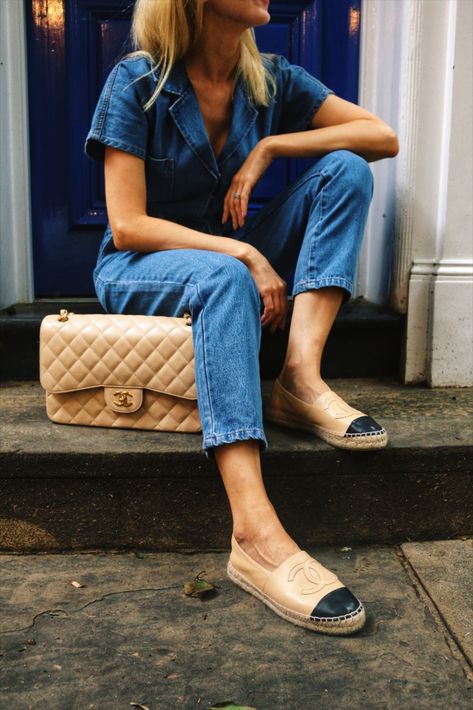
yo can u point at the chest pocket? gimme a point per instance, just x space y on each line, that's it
159 180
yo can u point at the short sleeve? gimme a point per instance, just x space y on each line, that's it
119 119
301 96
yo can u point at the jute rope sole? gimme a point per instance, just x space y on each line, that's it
373 440
340 625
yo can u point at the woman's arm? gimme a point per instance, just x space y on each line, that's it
341 125
134 230
337 125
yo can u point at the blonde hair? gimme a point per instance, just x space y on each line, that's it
164 31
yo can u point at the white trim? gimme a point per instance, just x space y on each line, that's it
416 75
446 125
440 323
408 84
450 346
445 267
439 347
16 277
378 93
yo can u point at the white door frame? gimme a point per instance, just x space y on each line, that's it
16 254
416 68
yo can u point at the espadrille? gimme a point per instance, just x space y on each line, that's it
300 590
329 417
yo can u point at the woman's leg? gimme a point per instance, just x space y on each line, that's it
311 233
280 232
222 297
313 315
256 526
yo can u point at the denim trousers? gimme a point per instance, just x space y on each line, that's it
310 233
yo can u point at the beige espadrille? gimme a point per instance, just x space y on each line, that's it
329 417
300 590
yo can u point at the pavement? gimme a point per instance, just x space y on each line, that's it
129 637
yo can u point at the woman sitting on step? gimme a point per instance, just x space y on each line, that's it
186 126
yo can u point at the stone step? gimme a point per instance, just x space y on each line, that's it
70 488
366 340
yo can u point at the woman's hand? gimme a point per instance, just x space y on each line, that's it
257 162
272 288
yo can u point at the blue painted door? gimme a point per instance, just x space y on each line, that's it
72 45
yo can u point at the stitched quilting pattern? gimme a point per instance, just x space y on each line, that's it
153 352
81 356
159 412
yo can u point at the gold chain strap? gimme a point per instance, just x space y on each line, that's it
64 316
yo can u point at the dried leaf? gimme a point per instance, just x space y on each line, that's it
171 676
230 705
139 705
57 667
78 585
198 587
31 642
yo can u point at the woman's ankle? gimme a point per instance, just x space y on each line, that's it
305 384
268 545
256 523
260 527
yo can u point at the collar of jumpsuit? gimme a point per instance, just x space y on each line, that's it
197 181
187 116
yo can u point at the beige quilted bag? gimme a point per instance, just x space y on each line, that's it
125 371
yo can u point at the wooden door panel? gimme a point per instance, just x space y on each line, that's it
72 46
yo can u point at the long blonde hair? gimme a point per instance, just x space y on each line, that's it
164 31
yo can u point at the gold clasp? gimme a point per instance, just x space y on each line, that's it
63 315
187 317
120 398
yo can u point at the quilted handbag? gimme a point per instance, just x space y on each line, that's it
125 371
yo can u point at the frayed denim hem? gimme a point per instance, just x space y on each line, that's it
308 284
230 436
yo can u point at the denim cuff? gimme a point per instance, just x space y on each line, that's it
307 285
209 442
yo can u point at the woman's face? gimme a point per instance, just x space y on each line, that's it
249 13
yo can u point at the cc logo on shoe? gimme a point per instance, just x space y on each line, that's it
338 408
317 578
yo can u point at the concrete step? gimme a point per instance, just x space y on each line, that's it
130 635
366 340
69 487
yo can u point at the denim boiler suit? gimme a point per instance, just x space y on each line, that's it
311 232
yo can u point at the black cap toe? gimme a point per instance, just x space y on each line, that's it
364 425
337 603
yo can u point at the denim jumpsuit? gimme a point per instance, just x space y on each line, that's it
311 232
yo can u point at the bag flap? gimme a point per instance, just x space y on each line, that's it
106 350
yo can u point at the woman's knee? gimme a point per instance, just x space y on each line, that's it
355 171
232 274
